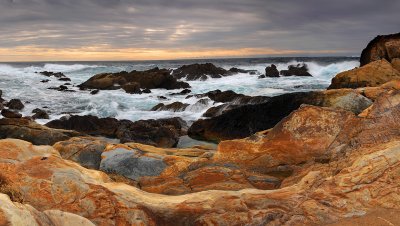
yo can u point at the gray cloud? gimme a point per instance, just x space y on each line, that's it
192 24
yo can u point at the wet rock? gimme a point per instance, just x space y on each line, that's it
28 130
373 74
132 88
162 98
199 72
382 47
271 71
61 88
40 114
245 120
183 92
238 70
150 79
175 107
146 91
94 92
44 80
15 104
64 79
296 70
58 75
10 114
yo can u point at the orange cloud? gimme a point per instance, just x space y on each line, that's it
103 53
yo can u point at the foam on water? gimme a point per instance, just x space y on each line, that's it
20 81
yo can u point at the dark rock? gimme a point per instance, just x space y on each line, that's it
200 72
64 79
231 96
296 70
10 114
94 92
15 104
271 71
246 120
132 88
146 91
25 129
176 106
183 92
40 114
61 88
382 47
150 79
58 75
161 132
45 81
238 70
162 97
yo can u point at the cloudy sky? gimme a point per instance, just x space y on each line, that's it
170 29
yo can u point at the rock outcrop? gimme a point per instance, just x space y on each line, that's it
248 119
200 72
150 79
40 114
27 130
271 71
296 70
382 47
15 104
373 74
175 107
161 132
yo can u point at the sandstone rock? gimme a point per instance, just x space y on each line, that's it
382 47
40 114
10 114
245 120
15 104
199 72
372 74
176 106
373 93
296 70
271 71
150 79
25 129
396 64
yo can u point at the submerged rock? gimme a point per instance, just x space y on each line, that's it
382 47
373 74
245 120
132 88
176 106
150 79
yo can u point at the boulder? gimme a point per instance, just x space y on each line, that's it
15 104
150 79
381 47
271 71
40 114
199 72
245 120
25 129
296 70
175 107
10 114
373 74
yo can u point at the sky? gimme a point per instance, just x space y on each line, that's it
72 30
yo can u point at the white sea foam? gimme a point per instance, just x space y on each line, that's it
21 81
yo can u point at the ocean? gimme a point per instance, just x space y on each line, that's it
19 80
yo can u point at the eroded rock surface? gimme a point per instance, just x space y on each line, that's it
382 47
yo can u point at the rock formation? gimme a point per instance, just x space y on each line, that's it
271 71
382 47
199 72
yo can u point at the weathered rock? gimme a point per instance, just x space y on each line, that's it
40 114
199 72
296 70
159 133
373 74
87 124
176 106
84 150
150 79
245 120
230 96
132 88
183 92
271 71
396 64
373 93
382 47
15 104
25 129
10 114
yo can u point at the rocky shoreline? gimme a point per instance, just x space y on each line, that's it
306 158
